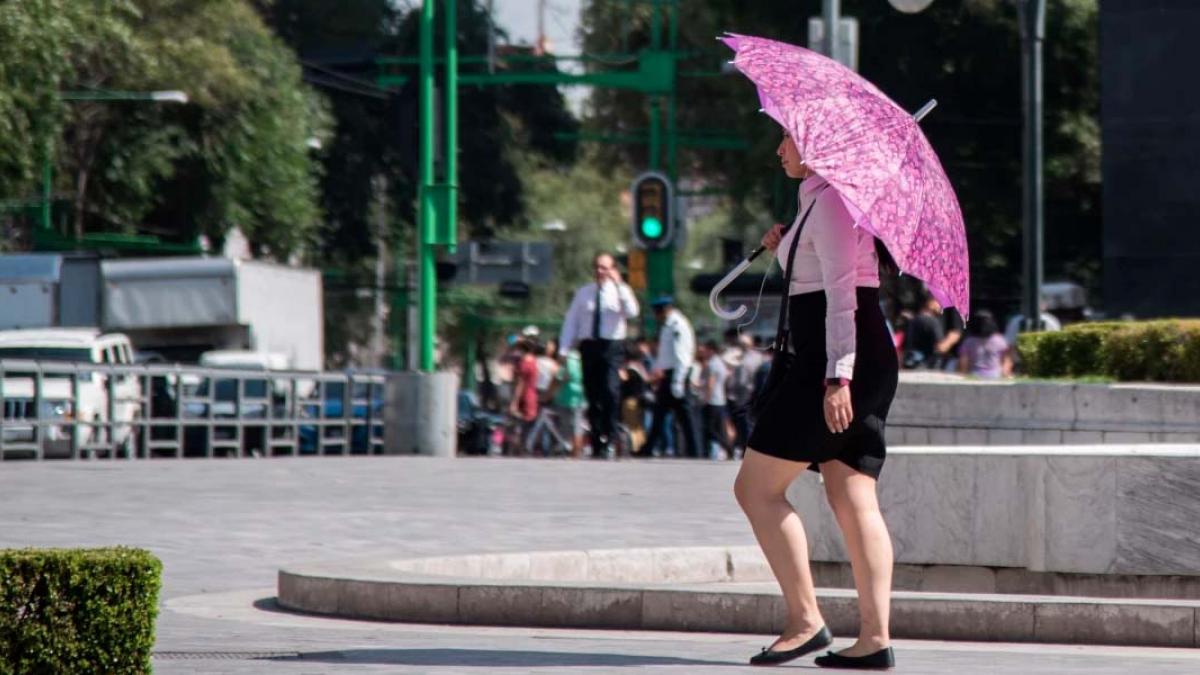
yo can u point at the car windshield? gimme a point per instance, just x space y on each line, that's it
79 354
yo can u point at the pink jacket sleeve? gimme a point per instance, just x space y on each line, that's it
836 242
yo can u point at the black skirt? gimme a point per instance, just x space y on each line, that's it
793 428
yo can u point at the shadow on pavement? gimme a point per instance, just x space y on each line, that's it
498 658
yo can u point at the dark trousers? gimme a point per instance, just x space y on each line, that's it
664 402
714 427
602 387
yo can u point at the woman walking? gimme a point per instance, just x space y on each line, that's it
827 415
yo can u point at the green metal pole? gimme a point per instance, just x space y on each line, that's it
655 135
451 206
428 198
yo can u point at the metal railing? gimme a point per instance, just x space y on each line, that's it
83 410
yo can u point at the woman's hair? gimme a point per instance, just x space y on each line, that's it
982 324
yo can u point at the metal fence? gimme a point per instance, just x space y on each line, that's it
82 410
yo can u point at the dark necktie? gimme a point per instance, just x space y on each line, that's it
596 314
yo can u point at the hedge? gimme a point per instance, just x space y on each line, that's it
1129 351
77 610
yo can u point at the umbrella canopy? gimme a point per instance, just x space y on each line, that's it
872 152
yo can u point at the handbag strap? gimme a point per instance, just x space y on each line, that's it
781 332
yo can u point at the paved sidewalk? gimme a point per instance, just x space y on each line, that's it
223 528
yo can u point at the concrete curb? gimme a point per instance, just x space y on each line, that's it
700 589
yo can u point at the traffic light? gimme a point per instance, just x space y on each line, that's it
653 210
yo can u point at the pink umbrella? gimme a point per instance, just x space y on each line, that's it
872 152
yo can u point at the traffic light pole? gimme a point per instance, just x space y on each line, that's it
438 200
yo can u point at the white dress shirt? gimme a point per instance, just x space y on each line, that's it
835 256
676 349
617 303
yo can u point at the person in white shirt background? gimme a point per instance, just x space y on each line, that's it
714 377
597 322
676 352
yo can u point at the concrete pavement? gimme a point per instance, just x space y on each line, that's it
224 528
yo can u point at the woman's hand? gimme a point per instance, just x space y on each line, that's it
771 239
838 410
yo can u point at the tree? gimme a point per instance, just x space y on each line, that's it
966 54
237 154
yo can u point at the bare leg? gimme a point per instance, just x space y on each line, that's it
852 496
760 487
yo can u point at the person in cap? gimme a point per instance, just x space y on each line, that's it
676 352
597 322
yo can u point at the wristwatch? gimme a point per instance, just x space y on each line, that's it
839 381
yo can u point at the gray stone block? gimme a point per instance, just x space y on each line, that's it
970 437
1116 624
621 566
840 613
1080 514
715 611
1156 516
941 436
1083 437
500 605
951 619
1004 437
306 593
423 603
916 436
749 564
1041 437
999 512
367 600
559 566
958 579
504 566
591 607
692 564
1118 437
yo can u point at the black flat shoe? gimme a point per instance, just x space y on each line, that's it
881 660
767 657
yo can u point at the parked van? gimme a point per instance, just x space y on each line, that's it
80 346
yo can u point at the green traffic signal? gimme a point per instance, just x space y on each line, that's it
652 228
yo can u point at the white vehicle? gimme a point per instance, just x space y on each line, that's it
80 346
245 360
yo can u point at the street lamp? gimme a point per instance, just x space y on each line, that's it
910 6
164 96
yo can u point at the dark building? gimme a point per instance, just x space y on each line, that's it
1150 117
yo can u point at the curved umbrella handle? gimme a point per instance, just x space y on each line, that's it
715 304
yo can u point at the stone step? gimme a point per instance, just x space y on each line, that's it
380 591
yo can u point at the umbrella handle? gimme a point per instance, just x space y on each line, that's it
925 110
715 304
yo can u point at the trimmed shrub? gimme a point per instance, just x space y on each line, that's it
1142 351
77 610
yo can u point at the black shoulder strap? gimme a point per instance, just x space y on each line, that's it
781 332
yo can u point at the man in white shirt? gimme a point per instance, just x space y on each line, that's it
676 351
596 321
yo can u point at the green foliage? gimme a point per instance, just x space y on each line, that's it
1154 351
77 610
236 155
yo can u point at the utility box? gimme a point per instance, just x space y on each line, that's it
182 307
48 290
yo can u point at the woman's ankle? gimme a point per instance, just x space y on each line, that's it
873 641
807 625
